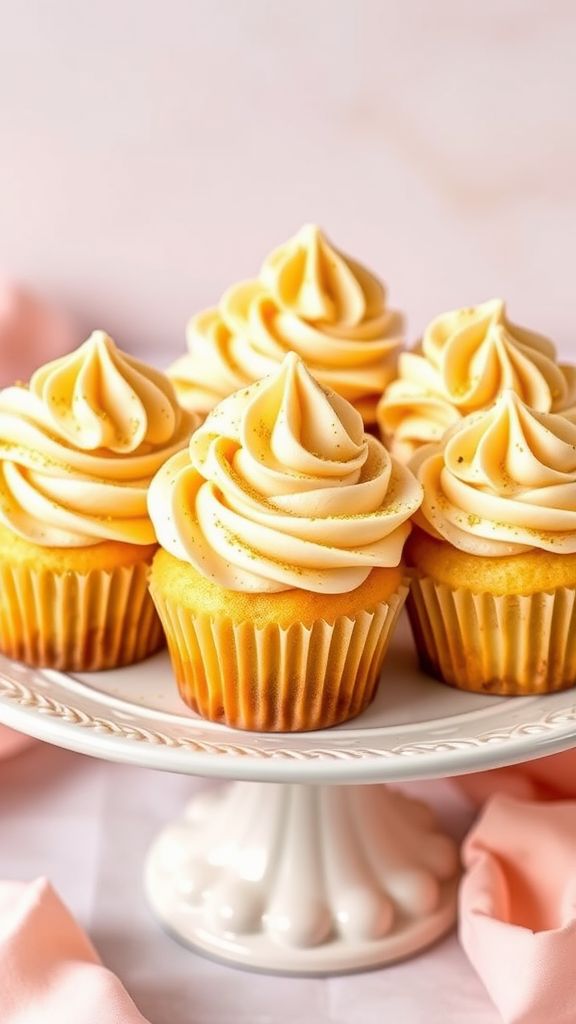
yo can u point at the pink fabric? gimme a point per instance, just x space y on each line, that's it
31 332
49 971
547 778
518 908
12 743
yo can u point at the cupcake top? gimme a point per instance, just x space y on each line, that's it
466 359
309 298
80 444
502 482
280 488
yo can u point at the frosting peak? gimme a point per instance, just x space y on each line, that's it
309 430
503 481
80 444
98 397
480 352
313 280
466 359
281 488
309 298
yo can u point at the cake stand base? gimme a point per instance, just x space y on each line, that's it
304 879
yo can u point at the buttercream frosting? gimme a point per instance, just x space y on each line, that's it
309 298
280 488
502 481
80 444
465 360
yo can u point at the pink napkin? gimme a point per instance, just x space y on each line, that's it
31 332
518 908
12 743
547 778
49 971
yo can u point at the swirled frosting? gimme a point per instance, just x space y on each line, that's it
466 359
80 444
310 299
281 488
503 481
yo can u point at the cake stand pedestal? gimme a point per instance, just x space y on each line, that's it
301 866
304 879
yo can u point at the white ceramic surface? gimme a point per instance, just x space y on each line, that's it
304 879
416 728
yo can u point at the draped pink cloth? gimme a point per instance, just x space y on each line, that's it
49 971
518 907
12 742
32 332
547 778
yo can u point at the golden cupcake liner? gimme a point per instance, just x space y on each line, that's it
274 679
511 645
77 621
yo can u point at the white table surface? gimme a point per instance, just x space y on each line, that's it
86 825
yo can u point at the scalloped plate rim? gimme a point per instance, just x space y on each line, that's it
42 704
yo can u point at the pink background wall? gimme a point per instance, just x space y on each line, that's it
152 153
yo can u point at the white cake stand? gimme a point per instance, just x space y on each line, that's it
282 870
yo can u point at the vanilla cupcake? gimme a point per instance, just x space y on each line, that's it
309 298
493 601
465 360
78 448
280 579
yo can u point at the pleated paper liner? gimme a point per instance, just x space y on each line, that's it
273 679
511 645
78 621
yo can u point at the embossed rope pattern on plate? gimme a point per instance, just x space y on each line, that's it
27 697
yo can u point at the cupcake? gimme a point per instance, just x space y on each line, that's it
465 360
309 298
492 603
78 448
279 578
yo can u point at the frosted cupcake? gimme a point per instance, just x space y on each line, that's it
466 359
280 579
493 602
309 298
78 448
